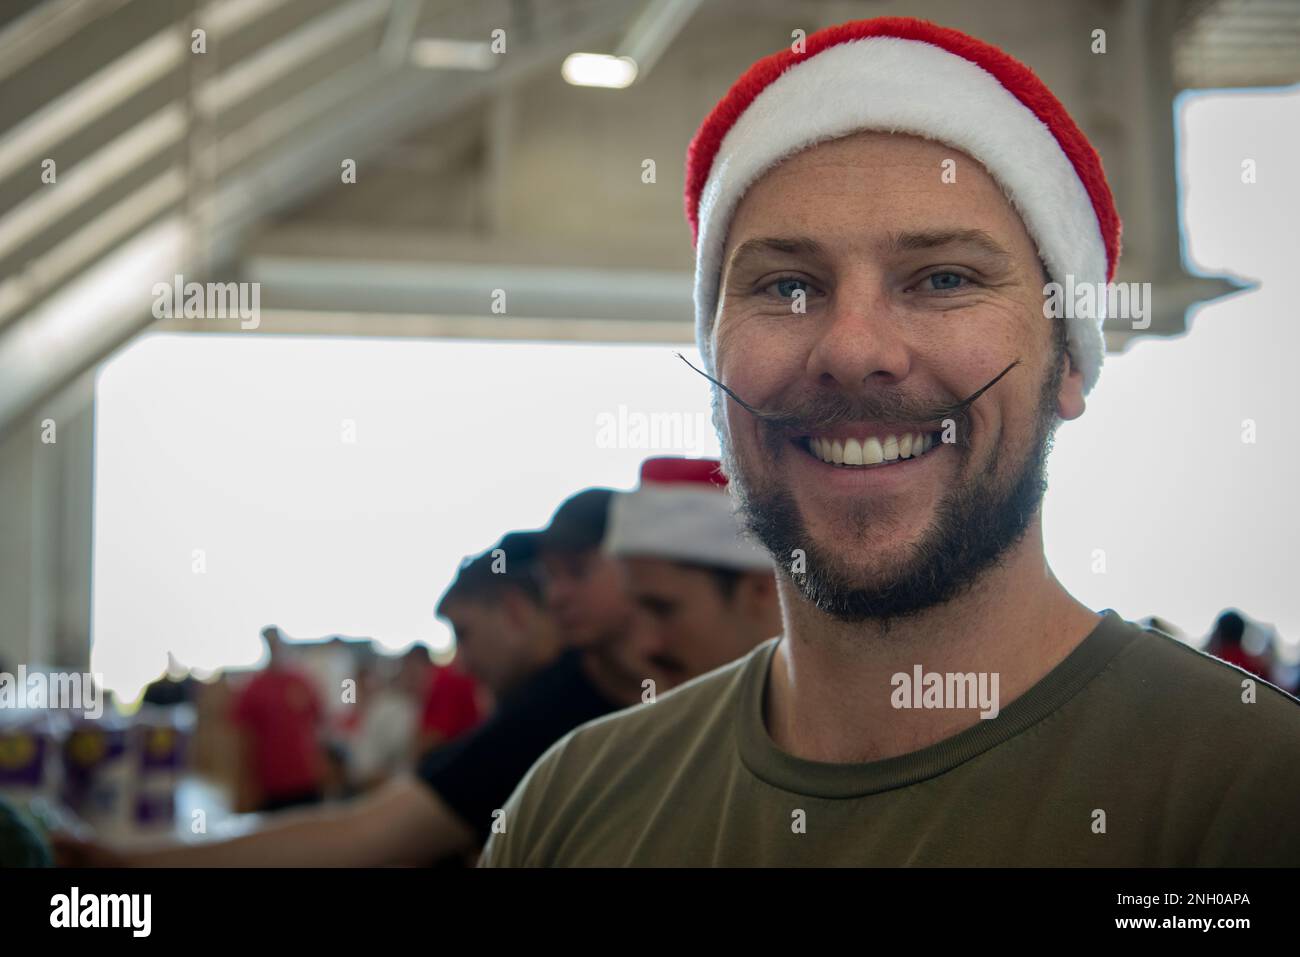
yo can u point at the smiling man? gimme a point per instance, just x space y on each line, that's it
877 217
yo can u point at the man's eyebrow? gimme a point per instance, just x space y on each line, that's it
789 245
911 242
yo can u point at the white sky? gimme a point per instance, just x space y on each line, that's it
232 444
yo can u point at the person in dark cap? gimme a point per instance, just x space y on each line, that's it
453 802
596 674
585 590
504 632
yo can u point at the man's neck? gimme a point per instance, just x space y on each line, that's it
831 693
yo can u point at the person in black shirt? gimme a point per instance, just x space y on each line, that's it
596 675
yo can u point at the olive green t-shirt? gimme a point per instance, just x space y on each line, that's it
1135 750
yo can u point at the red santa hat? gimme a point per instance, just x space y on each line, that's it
681 512
900 75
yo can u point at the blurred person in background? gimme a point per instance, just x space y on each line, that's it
1164 627
596 673
382 734
704 594
175 686
280 717
447 809
452 703
1225 644
505 634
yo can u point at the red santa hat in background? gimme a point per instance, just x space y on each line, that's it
900 75
681 512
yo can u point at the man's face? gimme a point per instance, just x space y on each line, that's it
916 294
489 644
585 591
684 625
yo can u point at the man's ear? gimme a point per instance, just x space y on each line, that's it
1069 398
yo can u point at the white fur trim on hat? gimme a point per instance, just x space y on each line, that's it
682 523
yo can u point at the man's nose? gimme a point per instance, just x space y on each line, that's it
859 336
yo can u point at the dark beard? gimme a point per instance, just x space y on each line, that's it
974 527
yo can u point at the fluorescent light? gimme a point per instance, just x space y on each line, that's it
434 54
599 69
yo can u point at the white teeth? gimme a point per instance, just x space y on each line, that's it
871 451
853 452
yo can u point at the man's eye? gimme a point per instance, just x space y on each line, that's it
787 288
656 608
943 281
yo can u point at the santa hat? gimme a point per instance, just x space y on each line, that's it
681 512
900 75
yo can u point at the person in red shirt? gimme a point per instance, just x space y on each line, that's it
280 716
451 707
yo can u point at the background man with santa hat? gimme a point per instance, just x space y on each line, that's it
876 218
704 594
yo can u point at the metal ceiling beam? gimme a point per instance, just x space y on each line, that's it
42 29
402 21
281 58
91 176
227 17
330 122
653 30
105 232
90 316
95 96
109 87
375 288
368 108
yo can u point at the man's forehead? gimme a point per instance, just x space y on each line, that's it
870 153
885 165
645 568
647 574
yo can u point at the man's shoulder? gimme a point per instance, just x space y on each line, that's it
1160 673
604 769
657 735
